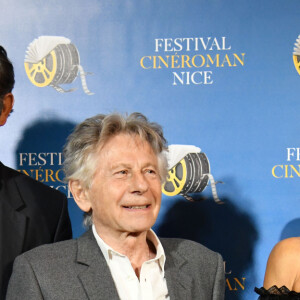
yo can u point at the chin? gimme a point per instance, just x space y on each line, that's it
141 228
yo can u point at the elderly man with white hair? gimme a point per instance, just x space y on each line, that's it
115 166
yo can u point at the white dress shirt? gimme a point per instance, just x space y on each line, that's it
152 284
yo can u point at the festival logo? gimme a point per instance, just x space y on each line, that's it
290 168
296 55
189 172
54 61
192 60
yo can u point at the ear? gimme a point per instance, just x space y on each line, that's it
8 103
80 195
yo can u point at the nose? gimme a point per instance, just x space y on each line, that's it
139 184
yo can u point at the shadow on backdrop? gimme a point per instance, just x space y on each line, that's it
291 229
38 154
222 228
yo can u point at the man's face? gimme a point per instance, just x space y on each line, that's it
125 194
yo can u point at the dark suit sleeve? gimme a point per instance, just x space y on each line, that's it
219 286
23 284
63 230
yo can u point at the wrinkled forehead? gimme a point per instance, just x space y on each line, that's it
131 139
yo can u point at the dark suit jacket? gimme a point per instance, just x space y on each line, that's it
31 214
77 269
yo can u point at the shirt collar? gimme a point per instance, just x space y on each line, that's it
160 253
151 236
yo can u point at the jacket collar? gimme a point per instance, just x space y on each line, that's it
95 277
10 188
179 283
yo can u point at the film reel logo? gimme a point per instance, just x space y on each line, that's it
190 175
53 61
296 55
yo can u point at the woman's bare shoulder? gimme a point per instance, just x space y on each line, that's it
283 267
290 246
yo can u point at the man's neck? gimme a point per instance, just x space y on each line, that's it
135 246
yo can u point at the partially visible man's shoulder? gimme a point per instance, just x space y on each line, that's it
188 248
20 177
29 185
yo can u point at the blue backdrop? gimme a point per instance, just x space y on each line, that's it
220 75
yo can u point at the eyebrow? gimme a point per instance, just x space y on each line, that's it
120 166
128 166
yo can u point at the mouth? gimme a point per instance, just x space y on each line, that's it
137 206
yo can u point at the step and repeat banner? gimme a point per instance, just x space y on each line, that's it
220 76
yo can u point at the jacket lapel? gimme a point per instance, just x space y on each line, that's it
12 232
179 283
12 222
96 278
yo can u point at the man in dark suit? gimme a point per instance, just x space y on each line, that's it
115 166
31 213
